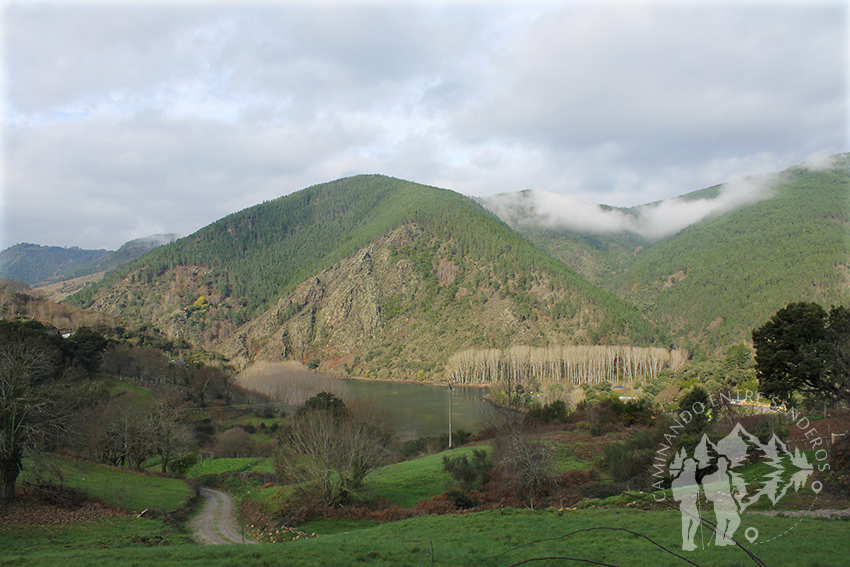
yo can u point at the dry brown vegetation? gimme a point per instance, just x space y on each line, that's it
287 382
43 506
18 300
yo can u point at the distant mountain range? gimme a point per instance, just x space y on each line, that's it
371 275
34 264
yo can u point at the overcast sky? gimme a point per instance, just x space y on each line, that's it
123 120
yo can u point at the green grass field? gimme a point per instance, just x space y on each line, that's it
230 466
138 393
120 532
122 488
407 483
494 538
607 531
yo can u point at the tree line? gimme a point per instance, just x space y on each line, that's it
571 363
48 400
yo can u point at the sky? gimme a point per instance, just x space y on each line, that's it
122 120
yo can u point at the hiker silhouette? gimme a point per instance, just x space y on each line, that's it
686 491
719 490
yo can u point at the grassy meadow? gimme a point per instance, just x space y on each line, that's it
121 488
493 538
613 531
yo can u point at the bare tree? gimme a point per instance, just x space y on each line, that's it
287 382
330 453
235 442
523 458
126 436
172 437
576 364
38 398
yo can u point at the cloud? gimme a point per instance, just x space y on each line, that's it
821 161
119 179
652 221
126 117
590 74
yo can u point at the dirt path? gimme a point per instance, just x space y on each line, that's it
215 524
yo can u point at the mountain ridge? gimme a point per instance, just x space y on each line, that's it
200 287
40 266
718 278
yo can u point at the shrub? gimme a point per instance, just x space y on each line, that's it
599 418
634 412
632 458
469 473
181 465
415 447
840 463
557 411
459 437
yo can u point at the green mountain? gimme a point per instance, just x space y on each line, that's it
716 280
372 274
31 263
34 264
128 251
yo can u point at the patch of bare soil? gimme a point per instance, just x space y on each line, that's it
60 290
40 508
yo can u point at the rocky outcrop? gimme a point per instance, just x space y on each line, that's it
339 309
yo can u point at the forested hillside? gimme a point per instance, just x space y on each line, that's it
361 269
716 280
34 264
128 251
31 263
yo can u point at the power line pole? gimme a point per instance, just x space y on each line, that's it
450 415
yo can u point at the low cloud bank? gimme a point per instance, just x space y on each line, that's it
652 221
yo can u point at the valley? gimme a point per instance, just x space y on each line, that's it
302 355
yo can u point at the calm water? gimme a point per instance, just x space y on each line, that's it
422 409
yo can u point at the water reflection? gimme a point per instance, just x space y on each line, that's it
419 409
422 409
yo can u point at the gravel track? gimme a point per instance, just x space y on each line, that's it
215 524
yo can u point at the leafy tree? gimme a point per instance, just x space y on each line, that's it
838 367
804 349
88 347
324 402
698 405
